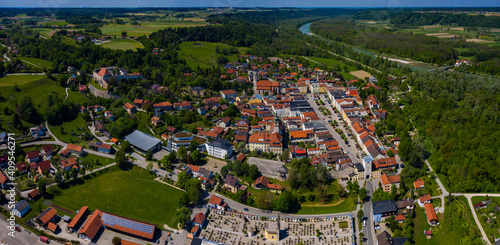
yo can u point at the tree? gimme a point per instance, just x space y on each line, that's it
150 166
73 173
286 202
182 179
362 194
183 216
149 155
172 157
124 33
182 153
285 156
120 157
360 214
265 200
42 186
196 156
394 191
253 172
224 171
193 145
126 146
117 240
58 177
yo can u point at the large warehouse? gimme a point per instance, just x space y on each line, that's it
143 142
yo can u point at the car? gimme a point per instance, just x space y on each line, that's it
377 227
402 165
364 223
246 209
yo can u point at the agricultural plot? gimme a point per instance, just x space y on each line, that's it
123 44
146 27
360 74
204 55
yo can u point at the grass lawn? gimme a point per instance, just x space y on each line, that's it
131 193
70 131
348 204
457 225
146 27
43 31
484 215
69 41
101 161
204 56
336 64
12 80
36 63
123 44
96 85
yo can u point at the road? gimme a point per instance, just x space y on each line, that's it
369 230
332 131
20 237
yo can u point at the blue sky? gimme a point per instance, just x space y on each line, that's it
249 3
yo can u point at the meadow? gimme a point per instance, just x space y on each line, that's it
123 44
131 192
204 56
337 65
146 27
36 63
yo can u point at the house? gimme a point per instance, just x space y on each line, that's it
199 219
266 142
46 216
229 95
37 132
185 105
22 167
424 199
78 219
69 163
385 163
47 151
217 203
75 149
431 214
225 122
263 183
205 173
405 205
33 156
100 147
482 204
242 125
231 183
419 184
266 87
220 148
400 218
3 179
109 115
138 103
163 106
182 168
389 181
156 121
43 166
34 194
241 157
130 108
21 208
383 209
65 153
99 126
384 238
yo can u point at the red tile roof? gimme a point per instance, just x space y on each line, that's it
93 225
47 215
418 184
34 193
103 72
68 162
199 218
72 147
425 198
77 217
52 226
215 200
33 154
128 106
3 178
400 217
386 162
429 210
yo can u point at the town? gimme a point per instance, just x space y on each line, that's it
245 149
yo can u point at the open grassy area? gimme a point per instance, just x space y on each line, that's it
36 64
146 27
131 193
346 205
96 161
69 41
70 132
489 217
12 80
123 44
43 31
204 56
457 225
337 65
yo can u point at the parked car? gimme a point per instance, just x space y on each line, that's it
364 223
246 209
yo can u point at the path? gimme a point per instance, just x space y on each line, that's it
30 63
66 94
160 180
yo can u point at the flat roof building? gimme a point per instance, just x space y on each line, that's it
143 142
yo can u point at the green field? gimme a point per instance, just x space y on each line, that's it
347 205
338 65
204 56
71 130
43 31
146 27
69 41
491 230
457 225
130 193
37 64
123 44
7 81
54 22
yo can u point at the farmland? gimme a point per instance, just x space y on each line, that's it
205 55
146 27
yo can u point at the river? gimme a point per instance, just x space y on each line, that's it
305 29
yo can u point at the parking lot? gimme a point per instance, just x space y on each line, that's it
268 168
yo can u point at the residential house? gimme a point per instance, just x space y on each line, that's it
34 194
383 209
22 167
109 115
231 183
199 219
389 181
65 153
47 151
75 149
182 168
431 214
156 121
22 208
424 199
241 136
99 126
130 108
225 122
69 163
46 216
163 106
419 184
229 95
43 166
217 203
33 156
138 103
185 105
264 183
3 180
101 147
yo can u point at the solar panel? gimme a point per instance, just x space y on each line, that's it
112 220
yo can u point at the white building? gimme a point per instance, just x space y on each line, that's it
220 148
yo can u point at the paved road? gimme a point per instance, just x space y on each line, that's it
369 230
20 237
335 135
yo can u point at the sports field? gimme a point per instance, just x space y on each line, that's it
204 55
132 193
146 27
123 44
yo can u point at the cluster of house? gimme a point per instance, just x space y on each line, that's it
203 174
102 75
458 63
